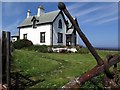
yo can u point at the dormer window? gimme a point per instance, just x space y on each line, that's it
34 21
60 24
34 24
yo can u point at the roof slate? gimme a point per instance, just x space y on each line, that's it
44 18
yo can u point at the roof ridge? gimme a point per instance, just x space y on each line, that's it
54 11
45 18
46 13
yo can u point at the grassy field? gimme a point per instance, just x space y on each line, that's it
55 68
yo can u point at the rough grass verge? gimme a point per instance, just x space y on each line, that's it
56 68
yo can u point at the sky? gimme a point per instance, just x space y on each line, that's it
97 20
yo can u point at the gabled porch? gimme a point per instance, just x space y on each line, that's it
71 37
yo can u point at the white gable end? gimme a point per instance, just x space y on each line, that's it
57 30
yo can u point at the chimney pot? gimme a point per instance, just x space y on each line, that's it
28 13
40 10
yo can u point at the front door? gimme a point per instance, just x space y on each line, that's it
68 40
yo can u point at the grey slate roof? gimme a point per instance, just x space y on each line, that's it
44 18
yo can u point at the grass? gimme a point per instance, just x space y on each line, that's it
30 63
56 68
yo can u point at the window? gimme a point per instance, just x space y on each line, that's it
34 21
24 36
60 37
60 24
42 37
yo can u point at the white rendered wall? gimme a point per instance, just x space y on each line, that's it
78 38
56 30
33 34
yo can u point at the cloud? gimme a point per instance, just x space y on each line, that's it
107 20
11 18
12 27
75 6
85 12
101 17
96 8
101 13
108 14
80 10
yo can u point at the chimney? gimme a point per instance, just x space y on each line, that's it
28 13
40 10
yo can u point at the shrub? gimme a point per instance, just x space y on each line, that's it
43 49
83 50
71 46
22 43
58 46
12 48
33 47
39 48
78 46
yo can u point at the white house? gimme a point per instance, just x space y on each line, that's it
49 28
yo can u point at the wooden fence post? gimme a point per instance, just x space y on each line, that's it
3 57
8 57
0 58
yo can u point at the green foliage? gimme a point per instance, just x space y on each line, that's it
43 49
77 46
83 50
58 46
12 48
96 83
39 48
22 43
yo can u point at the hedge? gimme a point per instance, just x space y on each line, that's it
83 50
39 48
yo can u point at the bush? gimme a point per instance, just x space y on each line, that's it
34 47
83 50
78 46
43 49
22 43
12 48
39 48
58 46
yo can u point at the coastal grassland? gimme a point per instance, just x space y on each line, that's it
55 68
